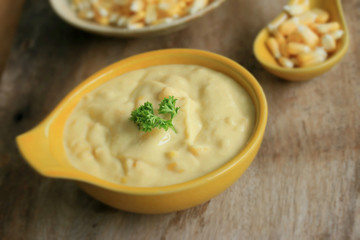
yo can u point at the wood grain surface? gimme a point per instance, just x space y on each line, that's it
9 17
304 183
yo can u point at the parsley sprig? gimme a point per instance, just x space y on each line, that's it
145 118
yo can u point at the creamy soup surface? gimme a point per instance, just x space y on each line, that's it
214 123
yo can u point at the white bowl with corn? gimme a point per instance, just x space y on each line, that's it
132 18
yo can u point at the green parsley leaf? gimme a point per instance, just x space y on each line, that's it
145 118
167 105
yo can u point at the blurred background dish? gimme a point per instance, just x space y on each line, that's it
64 10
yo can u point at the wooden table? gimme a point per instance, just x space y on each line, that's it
303 184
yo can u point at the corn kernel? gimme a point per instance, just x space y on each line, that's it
308 59
172 166
321 51
311 58
279 37
328 43
307 18
137 17
273 46
337 34
151 14
193 151
197 150
277 22
137 6
308 36
282 43
321 15
294 48
295 9
123 180
89 14
174 11
327 27
103 12
181 4
295 37
164 6
289 26
283 49
101 20
198 5
313 26
122 22
161 21
286 62
171 154
113 18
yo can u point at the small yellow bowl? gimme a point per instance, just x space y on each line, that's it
44 150
265 58
63 10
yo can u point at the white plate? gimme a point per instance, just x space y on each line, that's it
63 10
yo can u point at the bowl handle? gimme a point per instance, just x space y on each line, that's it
35 148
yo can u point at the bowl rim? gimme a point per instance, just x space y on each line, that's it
69 16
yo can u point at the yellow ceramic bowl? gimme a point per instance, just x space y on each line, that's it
300 74
43 146
63 10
